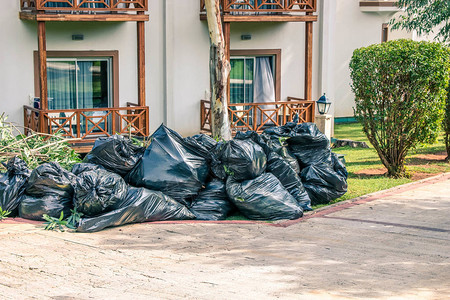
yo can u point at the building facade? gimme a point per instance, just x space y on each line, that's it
98 56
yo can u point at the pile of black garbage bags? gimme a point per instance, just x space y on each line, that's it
275 175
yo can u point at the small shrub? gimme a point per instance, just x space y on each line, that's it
400 94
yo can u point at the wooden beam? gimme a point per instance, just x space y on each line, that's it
227 37
42 53
42 17
308 59
266 18
141 62
377 4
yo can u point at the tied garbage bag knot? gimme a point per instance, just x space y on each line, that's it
97 190
49 191
116 154
240 159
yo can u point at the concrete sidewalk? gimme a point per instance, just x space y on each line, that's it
392 245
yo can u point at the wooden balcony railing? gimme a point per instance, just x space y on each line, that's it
259 116
84 5
90 123
236 7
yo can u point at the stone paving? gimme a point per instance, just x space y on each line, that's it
390 245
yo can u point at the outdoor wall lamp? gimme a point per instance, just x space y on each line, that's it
323 104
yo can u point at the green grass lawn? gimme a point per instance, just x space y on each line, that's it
365 168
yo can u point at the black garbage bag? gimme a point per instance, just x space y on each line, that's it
263 198
309 145
203 140
289 179
33 208
305 142
98 191
281 132
116 154
289 158
79 168
212 202
140 205
50 178
49 191
325 182
242 159
271 144
12 185
255 137
172 166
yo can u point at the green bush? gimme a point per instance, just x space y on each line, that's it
400 90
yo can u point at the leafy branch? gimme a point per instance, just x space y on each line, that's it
4 214
36 148
55 223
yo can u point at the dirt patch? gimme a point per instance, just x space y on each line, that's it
424 159
368 173
421 175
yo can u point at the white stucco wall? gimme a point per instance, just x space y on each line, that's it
177 58
187 59
354 29
20 40
16 61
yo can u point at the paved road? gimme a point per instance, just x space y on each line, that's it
393 245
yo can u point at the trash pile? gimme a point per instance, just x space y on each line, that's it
275 175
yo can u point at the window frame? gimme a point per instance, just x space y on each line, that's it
384 32
276 53
83 55
244 73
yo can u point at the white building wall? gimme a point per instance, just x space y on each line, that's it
187 59
177 56
354 29
16 61
20 40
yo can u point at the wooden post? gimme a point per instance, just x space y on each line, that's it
219 69
308 58
141 61
42 55
227 37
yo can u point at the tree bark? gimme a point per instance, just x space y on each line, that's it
219 69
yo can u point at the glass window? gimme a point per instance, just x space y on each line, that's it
245 73
241 79
79 83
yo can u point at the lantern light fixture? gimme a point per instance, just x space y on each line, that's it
323 104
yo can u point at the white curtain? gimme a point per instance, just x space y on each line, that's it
264 85
61 85
85 84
